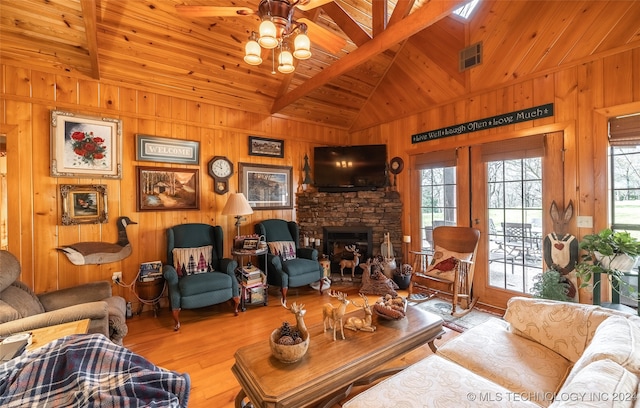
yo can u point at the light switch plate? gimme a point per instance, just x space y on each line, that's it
585 221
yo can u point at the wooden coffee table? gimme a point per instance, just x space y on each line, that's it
330 367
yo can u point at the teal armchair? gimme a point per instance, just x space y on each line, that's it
302 270
194 290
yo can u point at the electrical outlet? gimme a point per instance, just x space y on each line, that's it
116 277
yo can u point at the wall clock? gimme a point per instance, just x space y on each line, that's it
395 167
220 168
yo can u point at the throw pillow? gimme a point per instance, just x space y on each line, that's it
616 339
188 261
284 249
444 262
600 384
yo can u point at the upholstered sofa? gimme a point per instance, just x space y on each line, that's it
22 310
541 354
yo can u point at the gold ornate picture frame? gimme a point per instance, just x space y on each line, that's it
84 204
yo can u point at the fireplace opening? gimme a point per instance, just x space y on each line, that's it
338 240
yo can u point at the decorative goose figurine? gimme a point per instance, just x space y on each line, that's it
97 253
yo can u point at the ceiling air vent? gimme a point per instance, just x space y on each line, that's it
470 56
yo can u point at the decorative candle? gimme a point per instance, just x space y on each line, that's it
312 240
318 241
406 239
306 241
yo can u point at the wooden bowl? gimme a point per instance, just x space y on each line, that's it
287 353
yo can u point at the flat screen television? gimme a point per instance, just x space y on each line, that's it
350 168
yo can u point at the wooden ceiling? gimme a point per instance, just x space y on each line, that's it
389 67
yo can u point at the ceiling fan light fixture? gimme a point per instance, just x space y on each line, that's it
252 51
268 37
302 47
285 61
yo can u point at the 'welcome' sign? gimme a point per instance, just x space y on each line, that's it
523 115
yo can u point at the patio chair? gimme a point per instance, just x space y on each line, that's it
451 269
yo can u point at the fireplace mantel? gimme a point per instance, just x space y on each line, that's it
380 210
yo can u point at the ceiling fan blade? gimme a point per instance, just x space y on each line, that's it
322 37
213 11
311 4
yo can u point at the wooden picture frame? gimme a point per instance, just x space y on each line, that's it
167 150
260 146
85 146
266 187
84 204
167 189
250 243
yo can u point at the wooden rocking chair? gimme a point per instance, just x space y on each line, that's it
451 268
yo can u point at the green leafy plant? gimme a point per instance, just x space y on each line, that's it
609 253
551 285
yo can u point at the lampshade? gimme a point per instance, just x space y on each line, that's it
253 51
237 204
268 38
285 60
302 47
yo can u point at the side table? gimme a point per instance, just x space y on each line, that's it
249 293
150 291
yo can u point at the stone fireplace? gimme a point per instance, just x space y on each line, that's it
357 217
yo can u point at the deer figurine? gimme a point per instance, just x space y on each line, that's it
356 323
299 313
347 263
332 315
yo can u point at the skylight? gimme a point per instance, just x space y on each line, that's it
466 10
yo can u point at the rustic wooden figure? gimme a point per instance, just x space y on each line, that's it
347 263
98 253
332 316
561 248
299 313
356 323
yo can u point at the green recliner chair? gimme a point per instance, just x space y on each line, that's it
197 275
287 264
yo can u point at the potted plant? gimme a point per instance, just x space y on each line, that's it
402 276
551 285
609 253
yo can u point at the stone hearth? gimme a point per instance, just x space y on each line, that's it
379 210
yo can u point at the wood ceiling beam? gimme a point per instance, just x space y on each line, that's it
378 17
91 31
401 11
412 24
347 24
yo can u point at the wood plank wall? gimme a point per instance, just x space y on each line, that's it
27 98
585 95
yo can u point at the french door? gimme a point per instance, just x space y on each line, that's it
504 189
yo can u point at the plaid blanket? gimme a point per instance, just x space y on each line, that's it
89 371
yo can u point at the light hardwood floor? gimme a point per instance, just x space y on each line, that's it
205 344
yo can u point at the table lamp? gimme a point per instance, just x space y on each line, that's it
237 205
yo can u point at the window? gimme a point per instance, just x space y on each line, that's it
437 172
624 160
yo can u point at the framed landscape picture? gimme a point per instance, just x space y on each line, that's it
85 146
260 146
84 204
166 189
266 187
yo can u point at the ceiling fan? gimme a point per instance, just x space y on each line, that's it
280 12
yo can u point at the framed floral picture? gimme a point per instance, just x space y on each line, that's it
85 146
